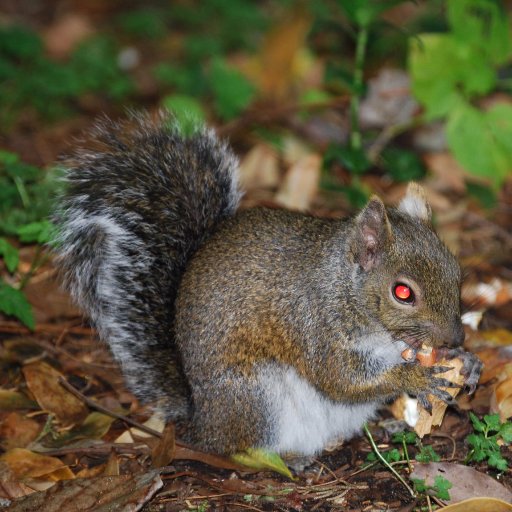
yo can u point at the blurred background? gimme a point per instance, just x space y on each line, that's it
325 102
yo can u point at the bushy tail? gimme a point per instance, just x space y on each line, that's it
140 200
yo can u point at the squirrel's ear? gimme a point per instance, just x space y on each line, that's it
372 232
415 204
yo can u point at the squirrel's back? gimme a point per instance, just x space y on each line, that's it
140 199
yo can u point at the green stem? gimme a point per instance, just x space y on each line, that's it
36 263
361 42
406 453
385 462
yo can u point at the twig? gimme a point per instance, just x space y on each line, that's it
14 327
385 462
102 449
93 405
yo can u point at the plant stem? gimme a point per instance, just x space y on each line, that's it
385 462
361 42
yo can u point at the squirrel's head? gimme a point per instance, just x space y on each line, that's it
411 282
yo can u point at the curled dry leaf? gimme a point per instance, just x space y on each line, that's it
425 420
102 494
43 382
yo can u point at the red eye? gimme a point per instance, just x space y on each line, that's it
403 293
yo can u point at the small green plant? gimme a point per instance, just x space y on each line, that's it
25 193
427 454
444 80
30 80
484 441
438 490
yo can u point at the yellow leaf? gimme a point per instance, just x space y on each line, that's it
258 458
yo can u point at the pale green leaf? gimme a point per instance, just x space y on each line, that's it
10 254
258 458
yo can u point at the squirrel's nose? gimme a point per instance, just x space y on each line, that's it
457 334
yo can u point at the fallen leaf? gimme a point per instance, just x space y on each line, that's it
259 168
280 52
43 382
301 183
258 458
12 400
478 505
388 100
156 422
494 293
17 431
467 482
426 420
165 449
10 486
26 464
102 494
449 175
95 426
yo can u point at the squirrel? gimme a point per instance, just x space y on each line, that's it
264 328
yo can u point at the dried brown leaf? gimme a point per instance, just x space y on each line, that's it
43 381
479 505
426 420
26 464
281 50
301 183
17 431
126 493
165 449
259 168
467 482
12 400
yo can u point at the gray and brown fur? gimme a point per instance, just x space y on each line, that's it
252 323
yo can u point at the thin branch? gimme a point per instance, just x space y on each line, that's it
94 405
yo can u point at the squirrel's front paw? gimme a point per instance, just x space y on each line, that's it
432 384
471 369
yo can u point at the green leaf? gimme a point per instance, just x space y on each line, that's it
41 232
506 432
479 141
441 486
427 454
231 90
262 459
402 164
13 302
354 160
409 437
483 24
485 195
493 422
419 484
443 72
187 111
478 425
497 461
10 254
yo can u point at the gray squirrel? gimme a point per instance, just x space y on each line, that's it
263 328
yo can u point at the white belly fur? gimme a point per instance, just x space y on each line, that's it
304 421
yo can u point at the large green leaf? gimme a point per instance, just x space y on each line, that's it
10 254
443 69
481 141
482 24
13 302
